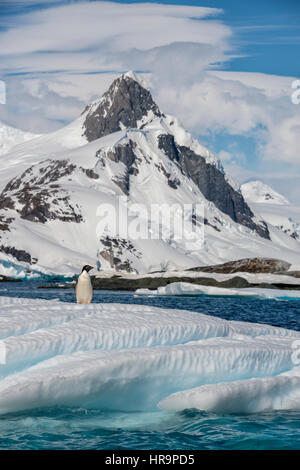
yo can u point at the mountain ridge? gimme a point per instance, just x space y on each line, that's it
53 187
127 104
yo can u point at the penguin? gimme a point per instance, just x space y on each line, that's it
83 288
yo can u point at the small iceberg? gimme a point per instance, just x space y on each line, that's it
186 288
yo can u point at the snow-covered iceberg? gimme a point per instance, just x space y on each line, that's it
186 288
134 357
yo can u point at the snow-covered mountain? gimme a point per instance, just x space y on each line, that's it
259 192
10 137
274 208
55 187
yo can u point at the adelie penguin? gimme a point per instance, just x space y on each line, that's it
83 288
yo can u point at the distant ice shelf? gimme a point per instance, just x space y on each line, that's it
136 357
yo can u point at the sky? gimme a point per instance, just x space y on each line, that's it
226 69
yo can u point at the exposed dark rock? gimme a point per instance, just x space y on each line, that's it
124 104
116 262
124 154
37 197
90 173
162 169
167 143
206 222
6 202
212 183
115 250
118 282
174 183
9 279
250 265
122 283
101 156
50 171
20 255
5 223
289 232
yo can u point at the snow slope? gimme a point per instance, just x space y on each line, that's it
259 192
273 207
10 137
131 357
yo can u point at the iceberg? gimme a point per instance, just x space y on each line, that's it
242 396
136 357
186 288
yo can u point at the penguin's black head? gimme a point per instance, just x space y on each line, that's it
87 268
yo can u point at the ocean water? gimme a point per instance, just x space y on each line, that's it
77 428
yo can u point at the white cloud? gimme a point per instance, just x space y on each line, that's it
225 156
247 105
2 92
68 54
84 26
233 157
283 141
37 108
75 49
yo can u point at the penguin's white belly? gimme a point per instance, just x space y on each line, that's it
84 290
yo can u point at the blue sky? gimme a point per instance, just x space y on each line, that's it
225 68
267 31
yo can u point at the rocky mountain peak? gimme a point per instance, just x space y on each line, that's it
126 104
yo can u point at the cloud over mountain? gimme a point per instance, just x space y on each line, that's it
56 59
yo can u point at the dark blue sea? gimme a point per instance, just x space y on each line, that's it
77 428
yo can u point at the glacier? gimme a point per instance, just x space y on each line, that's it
136 358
